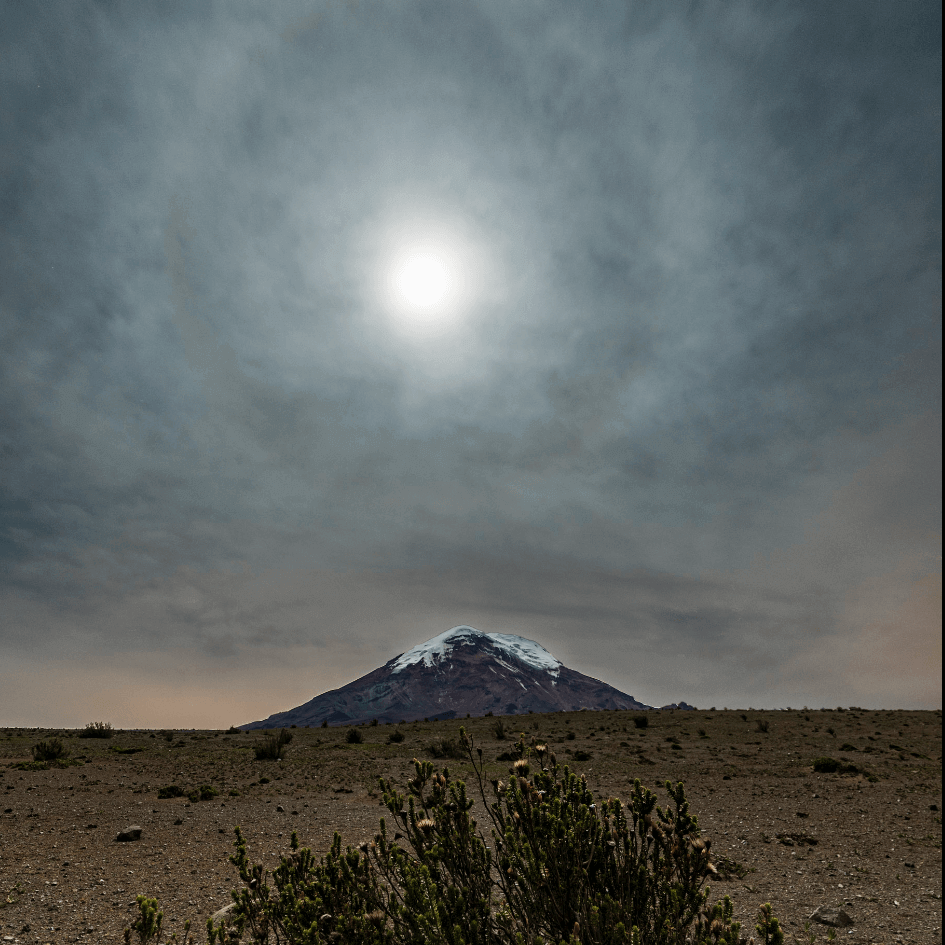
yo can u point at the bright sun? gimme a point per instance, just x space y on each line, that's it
431 273
422 281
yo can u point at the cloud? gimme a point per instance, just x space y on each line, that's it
691 407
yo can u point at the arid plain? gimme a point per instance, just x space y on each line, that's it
867 840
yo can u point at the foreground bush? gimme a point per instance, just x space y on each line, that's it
562 869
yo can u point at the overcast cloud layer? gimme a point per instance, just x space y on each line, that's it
681 423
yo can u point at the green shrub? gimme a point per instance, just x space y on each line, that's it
446 748
273 746
172 790
832 766
204 793
641 721
562 868
498 730
97 730
52 750
395 737
353 736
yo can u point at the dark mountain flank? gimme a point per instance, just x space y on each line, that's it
460 671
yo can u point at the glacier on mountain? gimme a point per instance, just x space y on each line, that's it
518 648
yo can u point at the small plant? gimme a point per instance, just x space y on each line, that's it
762 725
395 737
204 793
446 748
498 730
769 927
832 766
324 723
641 721
273 747
172 790
97 730
149 926
52 750
233 730
354 737
581 755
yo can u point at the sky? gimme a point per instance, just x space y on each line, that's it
325 327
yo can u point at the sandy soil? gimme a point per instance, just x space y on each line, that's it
869 842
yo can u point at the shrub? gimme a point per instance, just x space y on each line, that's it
561 869
204 793
273 747
97 730
172 790
498 730
446 748
581 755
832 766
762 725
233 730
395 737
353 736
641 721
52 750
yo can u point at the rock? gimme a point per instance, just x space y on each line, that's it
224 915
280 809
129 834
828 915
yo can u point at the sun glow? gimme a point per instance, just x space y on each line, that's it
434 275
422 281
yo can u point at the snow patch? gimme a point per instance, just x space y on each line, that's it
518 648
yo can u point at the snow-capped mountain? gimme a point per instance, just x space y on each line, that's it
457 672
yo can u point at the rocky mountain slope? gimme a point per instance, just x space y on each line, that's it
460 671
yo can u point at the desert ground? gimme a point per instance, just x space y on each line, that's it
868 840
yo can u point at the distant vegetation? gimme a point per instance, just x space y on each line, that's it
97 730
51 750
273 746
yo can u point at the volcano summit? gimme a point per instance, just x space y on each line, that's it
460 671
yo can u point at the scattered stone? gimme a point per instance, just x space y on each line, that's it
828 915
129 834
280 809
224 915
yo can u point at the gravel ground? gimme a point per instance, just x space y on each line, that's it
869 842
